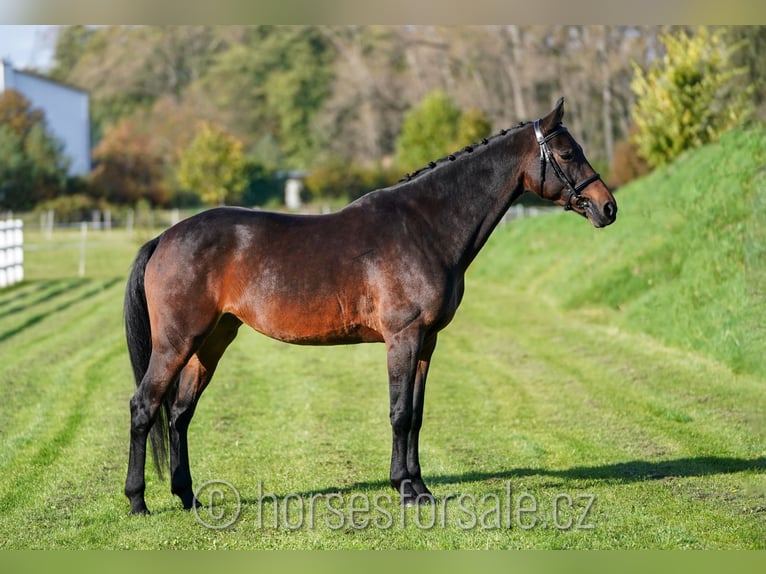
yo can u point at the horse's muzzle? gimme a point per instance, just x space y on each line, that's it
604 216
599 215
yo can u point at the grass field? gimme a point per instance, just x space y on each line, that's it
597 389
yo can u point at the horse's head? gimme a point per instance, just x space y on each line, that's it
561 173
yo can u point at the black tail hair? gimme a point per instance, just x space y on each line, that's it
139 336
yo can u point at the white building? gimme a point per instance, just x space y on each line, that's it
66 111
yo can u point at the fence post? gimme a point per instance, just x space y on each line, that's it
18 235
83 240
3 262
129 223
50 223
11 252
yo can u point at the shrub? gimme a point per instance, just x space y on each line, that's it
689 98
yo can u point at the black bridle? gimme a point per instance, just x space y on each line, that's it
546 156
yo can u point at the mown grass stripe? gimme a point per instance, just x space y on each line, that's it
28 403
33 320
57 429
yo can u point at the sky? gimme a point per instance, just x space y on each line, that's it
28 46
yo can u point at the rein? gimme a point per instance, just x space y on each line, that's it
546 156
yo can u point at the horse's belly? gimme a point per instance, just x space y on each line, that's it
350 336
313 322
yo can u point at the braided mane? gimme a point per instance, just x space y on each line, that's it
459 154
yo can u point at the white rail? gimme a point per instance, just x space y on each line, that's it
11 252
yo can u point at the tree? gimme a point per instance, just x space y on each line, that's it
297 96
271 86
72 43
436 127
262 187
128 167
33 167
688 98
472 126
213 165
753 42
128 68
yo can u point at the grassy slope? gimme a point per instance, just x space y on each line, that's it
582 362
684 263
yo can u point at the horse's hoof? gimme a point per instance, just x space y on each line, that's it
425 498
419 500
194 504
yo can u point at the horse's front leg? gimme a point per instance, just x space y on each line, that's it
404 351
418 401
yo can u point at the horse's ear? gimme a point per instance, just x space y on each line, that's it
554 117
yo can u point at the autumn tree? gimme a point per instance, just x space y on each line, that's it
33 166
126 69
213 165
128 167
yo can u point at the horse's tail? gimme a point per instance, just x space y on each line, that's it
139 336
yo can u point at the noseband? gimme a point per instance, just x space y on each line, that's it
546 156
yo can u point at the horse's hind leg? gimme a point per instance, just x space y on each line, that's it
164 367
194 379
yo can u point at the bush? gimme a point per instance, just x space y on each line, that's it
689 98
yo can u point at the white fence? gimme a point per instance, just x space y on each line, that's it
11 252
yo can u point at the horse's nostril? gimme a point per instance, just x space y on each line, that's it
610 210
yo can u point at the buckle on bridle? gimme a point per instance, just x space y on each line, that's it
546 156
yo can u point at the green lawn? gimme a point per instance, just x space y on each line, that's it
597 389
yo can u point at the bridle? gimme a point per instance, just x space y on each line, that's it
546 156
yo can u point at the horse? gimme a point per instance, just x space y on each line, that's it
387 268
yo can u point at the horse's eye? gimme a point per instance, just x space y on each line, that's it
567 155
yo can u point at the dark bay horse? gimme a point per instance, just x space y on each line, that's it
387 268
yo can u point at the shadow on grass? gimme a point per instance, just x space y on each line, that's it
84 296
24 301
621 472
631 471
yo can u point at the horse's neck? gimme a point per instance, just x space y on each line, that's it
465 202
